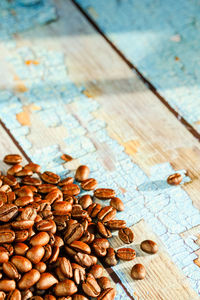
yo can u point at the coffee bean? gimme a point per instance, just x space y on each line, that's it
103 231
29 279
89 184
126 235
149 246
31 181
90 286
41 267
23 201
108 294
50 177
117 204
22 264
46 188
45 225
35 168
4 256
20 249
24 172
138 272
40 239
2 295
21 236
96 271
24 191
65 288
14 169
85 260
29 213
116 224
7 236
5 188
10 270
66 181
71 189
94 209
46 281
73 233
104 282
82 173
107 213
3 197
12 159
126 253
66 157
110 258
8 212
22 224
104 194
62 206
10 180
14 295
55 254
174 179
48 252
35 254
7 285
85 201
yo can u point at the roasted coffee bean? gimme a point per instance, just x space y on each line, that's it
99 251
9 248
116 224
8 212
101 243
29 213
5 188
87 237
46 188
2 295
103 231
110 258
41 267
78 273
10 270
7 285
90 286
4 256
35 168
55 253
89 184
149 246
117 204
3 198
104 282
48 252
108 294
40 239
65 288
45 225
22 264
66 157
66 181
24 191
46 281
96 271
11 197
31 181
85 201
10 180
138 272
21 236
50 177
14 295
24 172
107 213
104 194
23 201
62 206
94 209
7 236
71 189
20 249
29 279
22 224
58 241
80 247
73 233
35 254
126 253
85 260
174 179
126 235
65 267
82 173
12 159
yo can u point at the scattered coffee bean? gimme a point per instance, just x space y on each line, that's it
12 159
89 184
117 204
138 272
104 194
107 294
126 253
174 179
149 246
116 224
110 258
82 173
126 235
66 157
104 282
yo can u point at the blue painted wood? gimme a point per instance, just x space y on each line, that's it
161 38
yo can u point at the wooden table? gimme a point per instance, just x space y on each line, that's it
66 88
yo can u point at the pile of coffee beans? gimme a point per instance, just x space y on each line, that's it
51 237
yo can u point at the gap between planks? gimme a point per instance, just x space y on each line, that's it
189 127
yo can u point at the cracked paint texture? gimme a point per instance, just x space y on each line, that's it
160 38
62 121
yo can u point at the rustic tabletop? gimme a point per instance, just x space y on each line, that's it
114 84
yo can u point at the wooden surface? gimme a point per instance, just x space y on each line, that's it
133 116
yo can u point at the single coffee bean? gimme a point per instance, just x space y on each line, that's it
8 212
7 285
24 172
29 213
126 253
103 231
90 286
138 272
99 251
62 206
20 249
3 197
71 189
117 204
35 254
174 179
21 236
46 281
31 181
104 194
40 239
5 188
10 270
78 273
82 173
73 233
54 196
23 201
104 282
48 252
22 264
27 294
7 236
107 213
110 258
29 279
65 267
11 197
65 288
65 181
41 267
101 243
58 241
14 295
126 235
94 209
4 255
12 159
9 248
45 225
96 271
108 294
80 247
149 246
85 201
55 254
116 224
24 191
35 168
85 260
89 184
22 224
66 157
46 188
14 169
50 177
